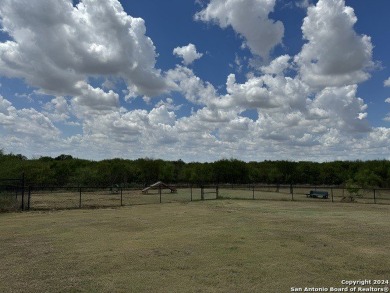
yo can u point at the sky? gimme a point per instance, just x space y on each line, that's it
196 80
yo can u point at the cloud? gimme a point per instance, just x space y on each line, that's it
277 66
94 99
58 109
55 45
188 53
251 94
386 83
5 106
335 55
195 90
377 143
25 128
306 106
162 115
116 126
326 127
264 92
303 4
387 118
249 19
341 109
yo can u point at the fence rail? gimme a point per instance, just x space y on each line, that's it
301 192
47 198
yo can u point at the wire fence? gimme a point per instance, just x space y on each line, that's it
12 194
44 198
306 193
15 196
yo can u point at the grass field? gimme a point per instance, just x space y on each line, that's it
210 246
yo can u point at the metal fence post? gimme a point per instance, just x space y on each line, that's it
331 193
121 197
29 198
191 192
159 191
292 191
22 199
217 192
23 191
374 196
80 197
253 191
201 193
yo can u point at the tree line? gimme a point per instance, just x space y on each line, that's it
66 170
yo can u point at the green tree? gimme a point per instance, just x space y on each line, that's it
366 178
167 172
230 171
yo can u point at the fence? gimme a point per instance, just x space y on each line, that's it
41 198
94 197
300 193
12 194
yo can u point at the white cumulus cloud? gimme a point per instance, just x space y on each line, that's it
334 55
94 99
188 53
25 128
193 88
249 19
302 107
56 45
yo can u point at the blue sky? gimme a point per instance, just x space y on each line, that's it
196 80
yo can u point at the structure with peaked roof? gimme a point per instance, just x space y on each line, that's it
159 185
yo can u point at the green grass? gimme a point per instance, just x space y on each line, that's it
210 246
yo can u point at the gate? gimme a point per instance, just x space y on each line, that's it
12 194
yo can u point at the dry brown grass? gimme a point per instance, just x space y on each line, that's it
92 198
69 199
211 246
299 194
